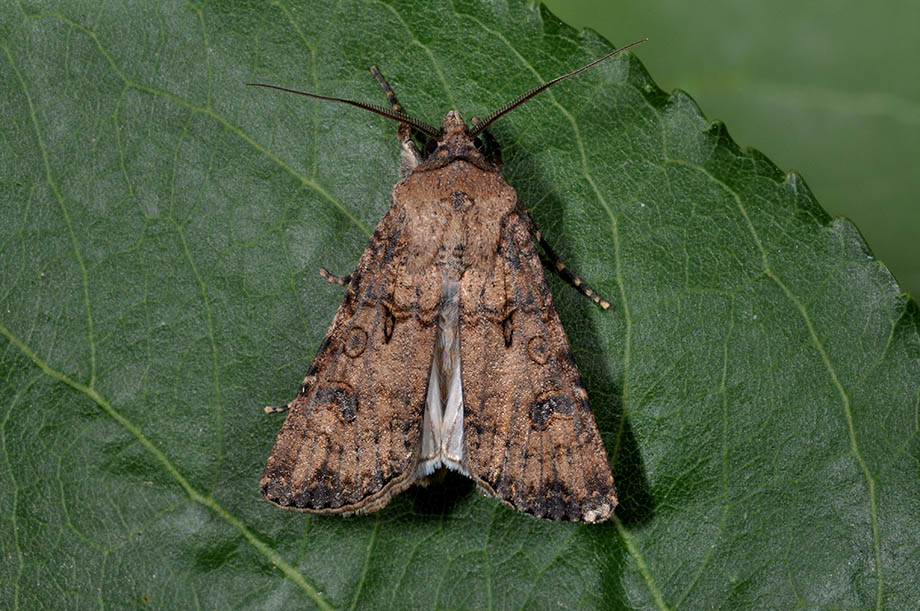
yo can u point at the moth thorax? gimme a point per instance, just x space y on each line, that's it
452 263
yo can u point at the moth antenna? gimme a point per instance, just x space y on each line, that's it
478 129
396 115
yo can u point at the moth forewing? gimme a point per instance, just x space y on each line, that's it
351 438
531 437
446 352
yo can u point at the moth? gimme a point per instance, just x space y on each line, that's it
447 351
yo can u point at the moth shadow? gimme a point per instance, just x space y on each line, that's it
636 505
440 493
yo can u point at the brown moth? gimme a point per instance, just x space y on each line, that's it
446 351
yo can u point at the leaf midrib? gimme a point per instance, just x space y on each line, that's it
206 501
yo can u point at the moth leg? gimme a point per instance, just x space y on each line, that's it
493 147
558 265
340 280
410 156
304 388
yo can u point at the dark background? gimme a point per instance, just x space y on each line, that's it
831 90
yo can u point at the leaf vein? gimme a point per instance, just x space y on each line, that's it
367 561
627 538
829 366
215 360
292 573
423 47
52 184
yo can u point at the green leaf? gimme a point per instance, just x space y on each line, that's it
757 382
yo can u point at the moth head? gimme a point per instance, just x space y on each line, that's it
453 141
453 126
